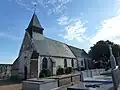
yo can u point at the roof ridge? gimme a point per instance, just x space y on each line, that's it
55 40
75 47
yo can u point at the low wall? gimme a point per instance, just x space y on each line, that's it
76 77
60 80
39 84
67 79
91 73
64 81
54 82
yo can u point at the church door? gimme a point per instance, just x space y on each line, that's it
33 68
25 72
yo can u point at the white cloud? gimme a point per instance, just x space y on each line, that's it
34 3
24 4
27 5
20 2
8 36
58 6
53 6
117 41
108 30
63 20
41 2
74 30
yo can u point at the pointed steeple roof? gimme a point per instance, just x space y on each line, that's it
35 22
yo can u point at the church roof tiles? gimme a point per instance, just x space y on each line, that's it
52 48
35 22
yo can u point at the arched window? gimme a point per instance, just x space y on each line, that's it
72 63
65 63
44 63
82 63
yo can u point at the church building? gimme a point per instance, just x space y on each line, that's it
38 52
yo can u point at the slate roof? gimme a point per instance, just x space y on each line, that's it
35 22
78 52
51 47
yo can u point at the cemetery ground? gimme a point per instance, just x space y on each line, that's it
10 85
13 85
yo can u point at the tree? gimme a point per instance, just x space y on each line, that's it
100 54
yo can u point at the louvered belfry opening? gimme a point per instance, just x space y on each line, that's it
34 26
35 55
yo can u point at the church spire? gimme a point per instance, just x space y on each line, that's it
34 25
35 22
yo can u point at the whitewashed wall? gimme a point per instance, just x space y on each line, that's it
75 63
60 62
69 63
26 50
79 61
23 61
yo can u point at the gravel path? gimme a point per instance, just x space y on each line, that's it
9 85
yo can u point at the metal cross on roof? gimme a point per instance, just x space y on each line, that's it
35 8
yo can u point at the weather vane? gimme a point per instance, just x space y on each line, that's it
34 7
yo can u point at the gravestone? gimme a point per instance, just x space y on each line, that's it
115 70
118 61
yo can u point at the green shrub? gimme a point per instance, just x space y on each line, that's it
45 73
60 71
58 67
42 74
48 73
68 70
82 68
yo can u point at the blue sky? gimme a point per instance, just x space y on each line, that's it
80 23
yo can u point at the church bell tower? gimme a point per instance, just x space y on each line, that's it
34 26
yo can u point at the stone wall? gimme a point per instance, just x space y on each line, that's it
51 83
93 72
39 84
66 79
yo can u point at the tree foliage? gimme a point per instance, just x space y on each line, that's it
100 54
